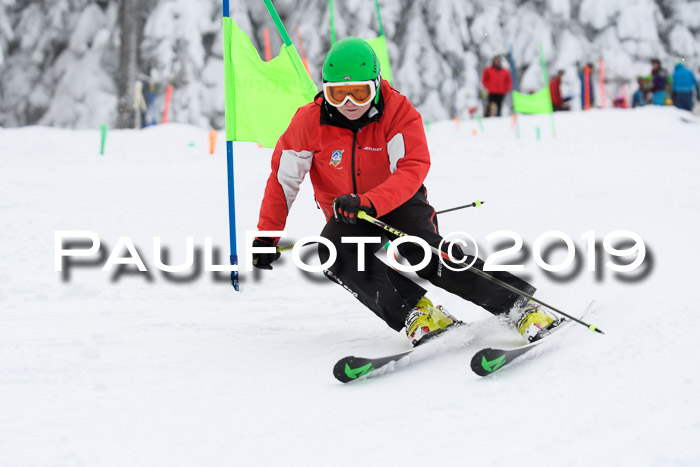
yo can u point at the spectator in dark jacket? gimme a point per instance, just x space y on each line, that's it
497 82
684 83
558 102
658 83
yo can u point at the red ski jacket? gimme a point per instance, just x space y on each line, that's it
496 81
386 160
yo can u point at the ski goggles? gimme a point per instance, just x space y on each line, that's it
360 92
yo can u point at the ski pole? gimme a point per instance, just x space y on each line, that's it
478 272
475 204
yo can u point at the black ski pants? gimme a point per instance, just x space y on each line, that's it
391 295
498 100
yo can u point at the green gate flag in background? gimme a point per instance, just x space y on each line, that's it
378 43
536 103
261 97
379 46
539 102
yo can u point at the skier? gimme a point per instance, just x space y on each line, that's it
364 147
497 82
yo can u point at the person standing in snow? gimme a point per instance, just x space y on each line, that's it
558 102
659 79
498 83
364 147
684 83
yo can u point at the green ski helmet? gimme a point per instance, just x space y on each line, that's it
352 59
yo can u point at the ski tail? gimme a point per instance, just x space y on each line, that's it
352 368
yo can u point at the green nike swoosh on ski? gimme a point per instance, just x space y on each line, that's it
494 364
357 372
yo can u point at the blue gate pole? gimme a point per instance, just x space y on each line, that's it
231 196
511 61
232 214
152 97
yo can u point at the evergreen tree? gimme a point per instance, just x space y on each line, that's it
6 32
73 63
126 74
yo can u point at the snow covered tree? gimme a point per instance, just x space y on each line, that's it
177 42
126 74
6 32
60 59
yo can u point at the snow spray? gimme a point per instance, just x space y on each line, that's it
103 131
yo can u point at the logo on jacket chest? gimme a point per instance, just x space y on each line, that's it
337 157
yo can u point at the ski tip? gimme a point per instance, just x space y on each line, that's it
487 361
352 368
339 370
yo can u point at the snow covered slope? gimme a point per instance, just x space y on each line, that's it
138 370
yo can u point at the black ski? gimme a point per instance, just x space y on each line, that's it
488 360
353 368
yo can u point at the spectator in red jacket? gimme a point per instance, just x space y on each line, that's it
364 148
558 102
497 82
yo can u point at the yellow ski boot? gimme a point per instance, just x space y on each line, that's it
534 322
425 321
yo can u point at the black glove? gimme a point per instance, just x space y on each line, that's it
345 207
264 260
